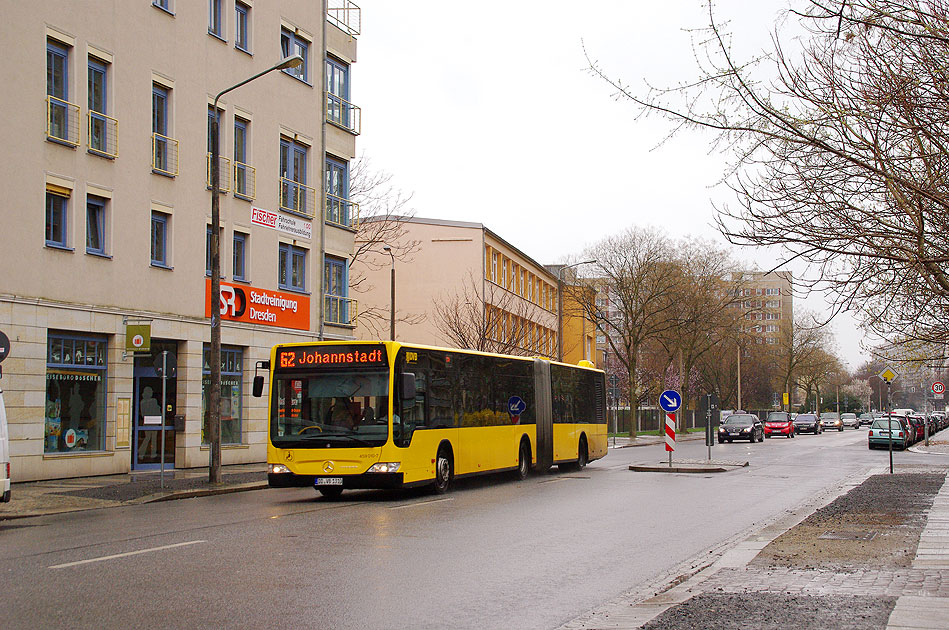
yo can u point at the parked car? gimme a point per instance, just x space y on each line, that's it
779 423
744 426
917 428
881 435
850 420
830 420
807 423
865 418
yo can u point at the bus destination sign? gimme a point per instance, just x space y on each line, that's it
331 356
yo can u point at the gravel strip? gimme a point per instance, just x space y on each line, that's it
876 525
141 488
776 611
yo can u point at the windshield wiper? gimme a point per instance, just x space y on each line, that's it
332 436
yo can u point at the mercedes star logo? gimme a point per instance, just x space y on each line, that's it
328 467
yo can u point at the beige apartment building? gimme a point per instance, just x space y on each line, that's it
107 218
766 303
465 277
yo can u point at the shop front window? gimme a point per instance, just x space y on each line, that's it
232 376
75 393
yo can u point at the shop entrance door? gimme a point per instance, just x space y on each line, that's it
146 434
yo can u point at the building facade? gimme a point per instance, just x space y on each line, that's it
465 275
766 302
107 219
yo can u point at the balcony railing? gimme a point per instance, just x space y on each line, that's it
297 197
224 172
344 15
339 310
245 181
164 155
62 121
341 212
343 114
103 135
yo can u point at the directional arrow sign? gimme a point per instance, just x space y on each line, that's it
670 400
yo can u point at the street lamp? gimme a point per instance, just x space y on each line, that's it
560 305
388 250
214 395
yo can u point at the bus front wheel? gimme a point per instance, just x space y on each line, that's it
443 471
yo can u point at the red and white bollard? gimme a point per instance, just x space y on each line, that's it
670 435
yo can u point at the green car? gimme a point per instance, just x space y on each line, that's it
880 436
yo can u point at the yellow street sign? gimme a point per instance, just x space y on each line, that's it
888 374
785 398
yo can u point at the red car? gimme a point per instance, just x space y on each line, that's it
779 423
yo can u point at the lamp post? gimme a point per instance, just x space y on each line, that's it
214 393
560 304
388 250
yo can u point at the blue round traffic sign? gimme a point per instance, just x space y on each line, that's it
670 400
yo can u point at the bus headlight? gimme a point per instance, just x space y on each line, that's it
278 469
381 467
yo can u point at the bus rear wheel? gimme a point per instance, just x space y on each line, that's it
444 469
582 458
331 492
524 461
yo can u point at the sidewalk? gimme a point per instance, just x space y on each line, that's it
651 440
38 498
875 557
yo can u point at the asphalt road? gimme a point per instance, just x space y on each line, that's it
494 553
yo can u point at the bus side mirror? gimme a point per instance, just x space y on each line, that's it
259 379
407 388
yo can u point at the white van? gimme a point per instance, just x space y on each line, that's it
4 452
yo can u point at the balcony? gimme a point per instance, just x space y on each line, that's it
341 212
343 114
62 121
103 135
164 155
297 198
224 172
339 310
344 15
245 181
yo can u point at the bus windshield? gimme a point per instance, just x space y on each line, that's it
330 410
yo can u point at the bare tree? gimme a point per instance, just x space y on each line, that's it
839 151
385 213
483 316
801 344
636 266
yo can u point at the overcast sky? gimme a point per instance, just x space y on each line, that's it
485 113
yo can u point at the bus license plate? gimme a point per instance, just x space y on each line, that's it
329 481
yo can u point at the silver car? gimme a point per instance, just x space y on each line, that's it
850 420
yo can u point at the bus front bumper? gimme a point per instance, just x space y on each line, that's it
365 481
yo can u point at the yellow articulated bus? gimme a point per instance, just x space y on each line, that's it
373 414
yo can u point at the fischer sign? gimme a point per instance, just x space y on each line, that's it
243 303
281 223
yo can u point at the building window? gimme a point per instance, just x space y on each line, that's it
207 251
215 23
292 44
240 256
293 177
338 207
95 225
232 377
337 93
244 184
164 5
211 130
102 129
164 148
336 288
494 267
56 219
292 268
63 116
159 239
242 26
75 393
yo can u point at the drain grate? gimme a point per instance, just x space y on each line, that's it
847 535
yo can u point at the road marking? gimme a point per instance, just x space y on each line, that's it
407 505
127 553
